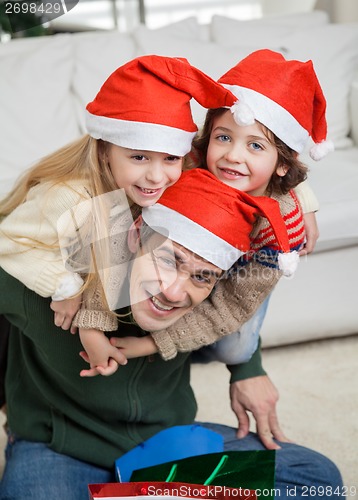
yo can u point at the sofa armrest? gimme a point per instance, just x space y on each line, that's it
353 104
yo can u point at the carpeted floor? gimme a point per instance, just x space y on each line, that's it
318 404
318 407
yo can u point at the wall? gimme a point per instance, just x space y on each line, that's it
340 11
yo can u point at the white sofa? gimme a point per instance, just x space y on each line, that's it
46 82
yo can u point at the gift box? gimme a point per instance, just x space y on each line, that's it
167 491
253 470
174 443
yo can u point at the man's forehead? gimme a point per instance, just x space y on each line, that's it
157 241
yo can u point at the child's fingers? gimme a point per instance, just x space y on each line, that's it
63 321
73 329
108 370
66 323
119 357
58 319
91 372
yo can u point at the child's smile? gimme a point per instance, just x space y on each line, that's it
241 156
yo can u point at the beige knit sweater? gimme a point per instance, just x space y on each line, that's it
29 248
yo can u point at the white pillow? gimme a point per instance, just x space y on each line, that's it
186 28
97 55
37 114
306 19
263 32
334 51
209 57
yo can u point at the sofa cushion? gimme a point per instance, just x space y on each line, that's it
333 49
263 32
97 55
334 180
188 28
36 102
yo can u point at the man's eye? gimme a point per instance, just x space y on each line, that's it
199 278
164 261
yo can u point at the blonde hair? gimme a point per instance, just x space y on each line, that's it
77 160
82 159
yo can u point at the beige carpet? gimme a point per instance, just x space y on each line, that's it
318 406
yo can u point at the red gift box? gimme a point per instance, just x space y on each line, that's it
167 491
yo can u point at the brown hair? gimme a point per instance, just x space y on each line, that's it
296 170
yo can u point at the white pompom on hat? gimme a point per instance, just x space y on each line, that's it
145 104
284 95
214 220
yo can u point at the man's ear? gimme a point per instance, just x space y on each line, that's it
134 235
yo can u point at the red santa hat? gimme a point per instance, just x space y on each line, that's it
285 96
145 104
214 220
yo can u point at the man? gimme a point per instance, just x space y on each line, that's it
66 431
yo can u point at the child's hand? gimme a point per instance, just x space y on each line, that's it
135 347
312 233
98 370
65 311
102 356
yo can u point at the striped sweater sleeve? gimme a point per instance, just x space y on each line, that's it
264 244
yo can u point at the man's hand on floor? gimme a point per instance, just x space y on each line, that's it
259 396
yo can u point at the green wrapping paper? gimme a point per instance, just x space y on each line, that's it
254 470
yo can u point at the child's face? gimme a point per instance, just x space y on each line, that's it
144 175
241 157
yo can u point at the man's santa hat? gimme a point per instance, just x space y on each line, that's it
145 104
214 220
285 96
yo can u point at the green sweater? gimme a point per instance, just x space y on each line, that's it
91 419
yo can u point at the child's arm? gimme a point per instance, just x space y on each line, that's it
306 197
312 233
234 300
94 314
92 320
65 310
135 347
102 356
29 248
310 205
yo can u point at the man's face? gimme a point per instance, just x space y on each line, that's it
167 281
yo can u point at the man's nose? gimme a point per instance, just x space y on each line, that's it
176 291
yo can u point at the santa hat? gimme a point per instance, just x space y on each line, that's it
285 96
214 220
145 104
